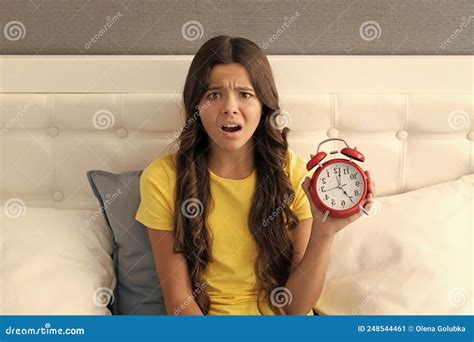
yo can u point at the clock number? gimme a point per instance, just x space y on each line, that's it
322 189
346 171
343 203
353 176
356 192
323 180
333 202
327 197
357 183
337 170
327 171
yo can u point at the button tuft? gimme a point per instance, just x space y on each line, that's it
58 196
122 132
402 134
53 131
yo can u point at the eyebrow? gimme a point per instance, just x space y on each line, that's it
221 87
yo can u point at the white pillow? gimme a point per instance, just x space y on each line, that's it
413 256
54 262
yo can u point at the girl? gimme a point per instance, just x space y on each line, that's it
232 227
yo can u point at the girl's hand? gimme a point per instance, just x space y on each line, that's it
332 225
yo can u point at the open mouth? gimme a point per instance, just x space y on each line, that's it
231 128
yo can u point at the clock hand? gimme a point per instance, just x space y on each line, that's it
350 197
336 187
339 186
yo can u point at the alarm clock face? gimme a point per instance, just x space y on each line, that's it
340 185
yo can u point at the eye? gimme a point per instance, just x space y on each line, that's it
212 96
245 94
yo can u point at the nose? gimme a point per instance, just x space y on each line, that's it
230 105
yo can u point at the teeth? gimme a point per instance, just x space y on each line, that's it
231 125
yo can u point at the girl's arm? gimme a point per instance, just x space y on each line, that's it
309 267
173 275
312 241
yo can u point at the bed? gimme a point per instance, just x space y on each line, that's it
412 117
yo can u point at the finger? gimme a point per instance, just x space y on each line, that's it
314 210
369 201
371 187
305 184
369 177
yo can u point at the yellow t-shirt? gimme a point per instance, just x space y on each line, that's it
230 275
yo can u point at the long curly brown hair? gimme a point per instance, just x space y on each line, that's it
192 238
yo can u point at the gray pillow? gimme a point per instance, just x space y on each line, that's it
137 291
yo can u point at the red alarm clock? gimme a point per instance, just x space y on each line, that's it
339 186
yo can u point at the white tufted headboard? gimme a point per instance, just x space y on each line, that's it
412 117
